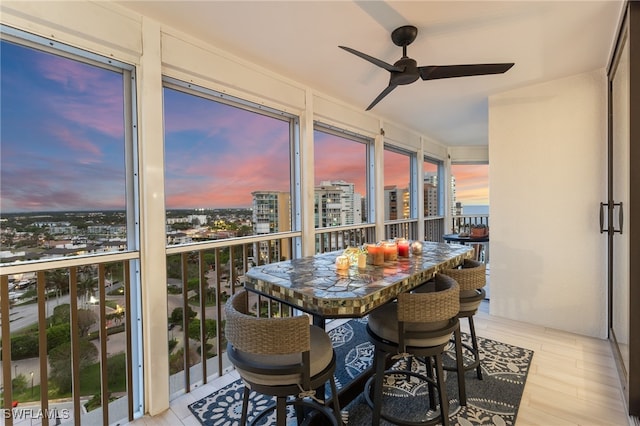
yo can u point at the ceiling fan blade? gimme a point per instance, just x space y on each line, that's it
434 72
384 93
373 60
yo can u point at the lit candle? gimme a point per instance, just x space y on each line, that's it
416 247
342 262
362 260
375 254
403 247
390 251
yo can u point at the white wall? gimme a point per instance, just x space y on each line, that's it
547 144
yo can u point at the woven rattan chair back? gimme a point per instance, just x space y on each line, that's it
472 275
273 357
439 305
269 336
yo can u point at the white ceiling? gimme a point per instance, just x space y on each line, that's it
299 39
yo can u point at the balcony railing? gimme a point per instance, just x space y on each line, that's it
85 308
68 338
463 222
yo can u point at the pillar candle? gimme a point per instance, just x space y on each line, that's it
375 254
342 262
403 247
390 251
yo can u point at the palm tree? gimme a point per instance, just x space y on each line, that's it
86 282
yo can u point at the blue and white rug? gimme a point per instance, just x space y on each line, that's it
491 401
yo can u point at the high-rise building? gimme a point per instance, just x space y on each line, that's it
454 210
431 207
397 203
336 204
271 214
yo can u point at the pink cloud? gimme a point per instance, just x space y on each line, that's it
85 151
92 96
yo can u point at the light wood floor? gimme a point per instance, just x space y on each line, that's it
572 379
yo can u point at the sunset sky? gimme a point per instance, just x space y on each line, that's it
62 144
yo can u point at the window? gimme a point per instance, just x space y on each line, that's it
227 166
470 189
64 146
68 188
432 187
398 185
341 164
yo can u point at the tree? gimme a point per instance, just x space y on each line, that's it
86 318
86 281
61 315
209 329
176 315
61 375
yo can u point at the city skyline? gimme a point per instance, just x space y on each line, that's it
63 148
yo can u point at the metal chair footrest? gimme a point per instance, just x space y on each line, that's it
403 422
325 411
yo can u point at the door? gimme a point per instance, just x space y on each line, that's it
621 209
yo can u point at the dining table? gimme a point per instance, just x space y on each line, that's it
477 242
314 285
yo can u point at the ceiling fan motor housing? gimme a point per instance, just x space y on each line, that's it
409 75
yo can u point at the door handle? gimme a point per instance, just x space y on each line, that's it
620 217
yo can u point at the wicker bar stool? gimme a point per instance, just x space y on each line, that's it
471 278
416 325
282 357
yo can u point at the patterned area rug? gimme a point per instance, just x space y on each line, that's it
491 401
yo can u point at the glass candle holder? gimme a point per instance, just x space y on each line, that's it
416 247
342 262
403 247
390 251
362 260
375 255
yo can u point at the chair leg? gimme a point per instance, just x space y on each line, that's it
462 390
476 349
299 411
245 406
379 361
442 391
281 411
428 365
335 400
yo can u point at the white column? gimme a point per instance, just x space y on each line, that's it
152 222
307 177
378 179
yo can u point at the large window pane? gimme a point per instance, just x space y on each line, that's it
63 181
397 185
227 169
470 189
63 192
340 180
432 187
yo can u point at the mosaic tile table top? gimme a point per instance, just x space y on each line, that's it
314 285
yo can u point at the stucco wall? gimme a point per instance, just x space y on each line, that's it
547 145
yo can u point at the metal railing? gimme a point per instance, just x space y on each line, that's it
341 237
463 222
406 228
200 279
69 333
434 229
87 300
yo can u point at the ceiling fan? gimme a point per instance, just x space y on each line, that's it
406 70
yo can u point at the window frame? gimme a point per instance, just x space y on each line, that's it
249 106
369 196
131 199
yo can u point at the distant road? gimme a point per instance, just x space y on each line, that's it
25 315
